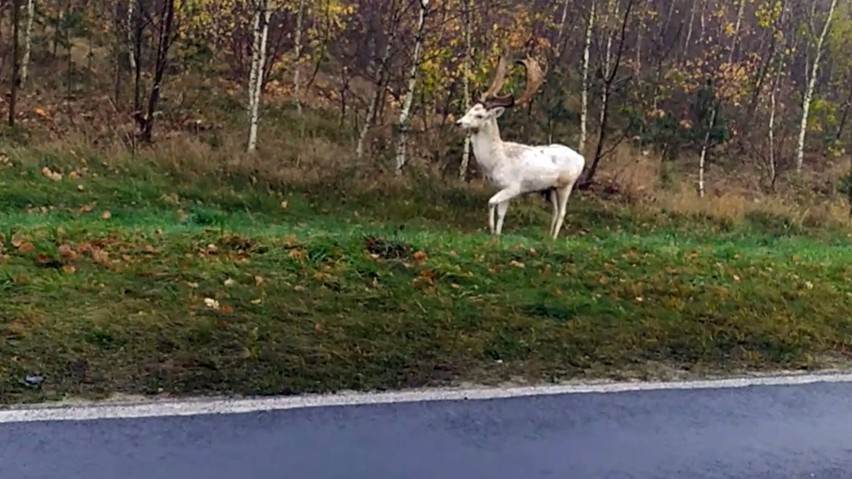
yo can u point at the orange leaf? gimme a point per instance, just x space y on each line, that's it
69 269
26 247
420 256
67 252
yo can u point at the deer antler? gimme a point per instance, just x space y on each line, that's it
535 77
489 98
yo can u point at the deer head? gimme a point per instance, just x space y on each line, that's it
490 106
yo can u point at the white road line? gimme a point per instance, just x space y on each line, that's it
168 408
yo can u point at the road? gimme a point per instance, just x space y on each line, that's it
753 432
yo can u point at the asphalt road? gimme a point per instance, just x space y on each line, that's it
777 432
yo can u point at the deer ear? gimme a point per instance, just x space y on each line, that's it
498 111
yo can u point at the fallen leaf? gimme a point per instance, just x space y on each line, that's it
258 280
87 208
227 309
517 264
17 241
67 252
420 256
230 282
106 215
284 205
297 254
80 187
211 303
69 269
26 247
100 256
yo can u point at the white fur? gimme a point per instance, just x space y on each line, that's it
516 169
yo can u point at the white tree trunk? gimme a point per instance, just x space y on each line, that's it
374 105
28 35
809 91
131 4
689 27
607 64
468 60
262 14
557 54
405 111
737 25
702 160
773 107
297 51
584 109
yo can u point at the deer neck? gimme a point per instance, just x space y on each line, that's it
487 146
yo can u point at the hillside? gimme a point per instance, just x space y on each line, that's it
153 254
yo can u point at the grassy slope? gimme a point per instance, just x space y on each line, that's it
325 296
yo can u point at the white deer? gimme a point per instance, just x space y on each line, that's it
515 168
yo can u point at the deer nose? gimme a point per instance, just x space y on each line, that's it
458 122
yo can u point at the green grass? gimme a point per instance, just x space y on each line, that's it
211 287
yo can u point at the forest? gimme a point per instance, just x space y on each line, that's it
760 88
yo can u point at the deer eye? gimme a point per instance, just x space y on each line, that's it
478 116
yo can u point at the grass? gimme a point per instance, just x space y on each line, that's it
217 286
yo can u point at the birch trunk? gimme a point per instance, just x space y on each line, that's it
468 60
405 111
13 93
689 28
131 56
297 50
28 34
258 57
380 85
584 108
557 54
702 159
773 107
809 91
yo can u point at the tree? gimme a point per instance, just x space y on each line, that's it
811 86
405 111
261 12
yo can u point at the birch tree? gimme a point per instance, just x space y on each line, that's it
380 77
466 71
405 111
13 93
607 70
811 86
28 42
715 104
297 53
584 92
261 13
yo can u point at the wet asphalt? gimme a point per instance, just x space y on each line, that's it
772 432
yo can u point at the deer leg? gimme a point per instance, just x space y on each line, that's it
551 196
563 194
495 205
501 215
